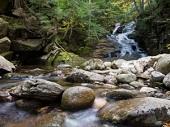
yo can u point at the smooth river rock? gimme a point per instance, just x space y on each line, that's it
78 97
140 112
157 76
166 80
121 94
126 78
39 89
163 64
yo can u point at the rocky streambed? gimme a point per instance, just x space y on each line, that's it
99 94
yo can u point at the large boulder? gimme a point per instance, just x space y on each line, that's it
5 44
163 64
5 66
140 112
39 89
82 76
78 97
126 78
3 27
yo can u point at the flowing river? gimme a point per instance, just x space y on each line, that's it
12 116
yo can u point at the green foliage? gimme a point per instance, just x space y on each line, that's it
145 7
92 18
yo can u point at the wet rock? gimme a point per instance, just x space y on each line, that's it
97 85
137 66
3 27
166 80
126 86
163 64
5 44
5 66
94 64
140 112
62 66
78 97
110 79
29 105
157 76
137 84
120 94
124 65
99 103
108 64
39 89
5 96
82 76
148 90
126 78
146 74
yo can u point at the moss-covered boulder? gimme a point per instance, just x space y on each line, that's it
68 58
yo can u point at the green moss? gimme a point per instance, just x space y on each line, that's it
68 58
84 51
14 22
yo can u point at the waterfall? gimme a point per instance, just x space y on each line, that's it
125 47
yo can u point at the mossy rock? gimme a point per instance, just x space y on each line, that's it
68 58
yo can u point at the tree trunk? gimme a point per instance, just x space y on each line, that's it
19 4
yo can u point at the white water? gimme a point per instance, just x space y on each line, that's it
125 45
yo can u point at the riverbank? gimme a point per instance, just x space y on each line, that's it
100 92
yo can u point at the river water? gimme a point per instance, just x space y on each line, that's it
11 116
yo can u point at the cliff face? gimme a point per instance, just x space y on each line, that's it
153 29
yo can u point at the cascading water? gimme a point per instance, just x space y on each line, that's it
125 47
